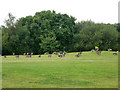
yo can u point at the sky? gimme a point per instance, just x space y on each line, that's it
99 11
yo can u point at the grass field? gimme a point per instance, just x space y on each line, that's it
87 71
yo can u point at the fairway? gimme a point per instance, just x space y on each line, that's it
87 71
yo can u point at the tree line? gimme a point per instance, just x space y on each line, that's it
48 31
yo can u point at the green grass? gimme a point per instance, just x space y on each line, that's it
88 71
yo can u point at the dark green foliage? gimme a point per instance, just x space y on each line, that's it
102 35
48 31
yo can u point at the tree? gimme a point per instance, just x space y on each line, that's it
45 22
50 31
49 43
102 35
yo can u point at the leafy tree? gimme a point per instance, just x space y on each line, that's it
48 31
49 43
104 36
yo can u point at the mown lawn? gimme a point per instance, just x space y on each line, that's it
87 71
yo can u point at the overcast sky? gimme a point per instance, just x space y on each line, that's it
99 11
